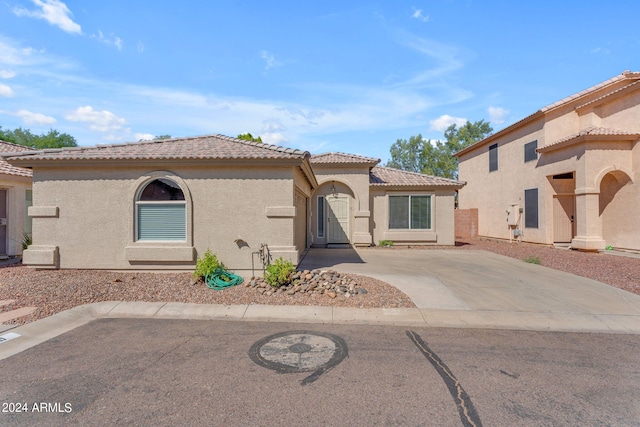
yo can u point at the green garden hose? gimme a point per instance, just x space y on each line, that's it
222 279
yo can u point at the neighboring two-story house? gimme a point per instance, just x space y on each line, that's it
568 173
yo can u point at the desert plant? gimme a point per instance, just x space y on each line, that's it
206 265
386 243
532 260
26 240
278 273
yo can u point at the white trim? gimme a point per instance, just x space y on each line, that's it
139 186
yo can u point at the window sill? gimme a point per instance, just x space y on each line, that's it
150 252
411 235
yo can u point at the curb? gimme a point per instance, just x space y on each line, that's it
45 329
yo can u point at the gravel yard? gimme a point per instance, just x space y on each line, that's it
52 291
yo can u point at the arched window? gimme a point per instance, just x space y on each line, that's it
161 212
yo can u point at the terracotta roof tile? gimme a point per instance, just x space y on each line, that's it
590 131
201 147
633 86
336 157
384 176
6 168
626 75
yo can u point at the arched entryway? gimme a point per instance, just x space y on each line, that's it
333 203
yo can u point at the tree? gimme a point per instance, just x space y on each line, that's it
436 157
160 137
248 137
52 139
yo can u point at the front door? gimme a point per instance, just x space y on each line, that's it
337 219
563 218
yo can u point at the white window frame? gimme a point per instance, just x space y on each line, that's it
431 209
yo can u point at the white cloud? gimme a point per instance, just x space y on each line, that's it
113 40
140 47
54 12
497 114
6 91
100 121
417 14
443 122
31 118
447 58
7 74
273 132
144 136
270 60
601 50
12 55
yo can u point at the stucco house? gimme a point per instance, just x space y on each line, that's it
568 173
161 204
15 198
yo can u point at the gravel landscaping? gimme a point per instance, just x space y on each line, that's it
52 291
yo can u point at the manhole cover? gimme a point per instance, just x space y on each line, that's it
299 351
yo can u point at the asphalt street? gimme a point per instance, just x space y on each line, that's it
205 372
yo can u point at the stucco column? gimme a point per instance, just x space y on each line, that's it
361 235
588 227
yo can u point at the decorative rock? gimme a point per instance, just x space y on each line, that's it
362 291
331 294
308 276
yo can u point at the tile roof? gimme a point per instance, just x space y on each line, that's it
624 76
6 168
336 157
590 131
630 87
201 147
632 77
384 176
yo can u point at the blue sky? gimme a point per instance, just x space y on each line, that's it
324 76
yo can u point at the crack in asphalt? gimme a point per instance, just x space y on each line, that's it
468 414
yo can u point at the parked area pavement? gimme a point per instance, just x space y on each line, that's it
458 289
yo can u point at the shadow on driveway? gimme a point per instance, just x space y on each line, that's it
319 258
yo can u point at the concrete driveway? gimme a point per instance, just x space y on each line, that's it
453 287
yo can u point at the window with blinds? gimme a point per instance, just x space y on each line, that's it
410 212
161 212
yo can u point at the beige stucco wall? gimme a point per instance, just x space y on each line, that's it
493 193
88 215
591 160
16 210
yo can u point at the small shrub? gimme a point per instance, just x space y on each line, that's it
206 265
278 273
532 260
26 240
386 243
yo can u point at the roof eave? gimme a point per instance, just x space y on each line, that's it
500 133
586 138
307 170
29 162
